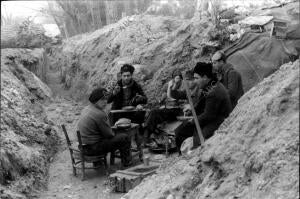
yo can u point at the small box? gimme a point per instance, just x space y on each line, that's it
124 180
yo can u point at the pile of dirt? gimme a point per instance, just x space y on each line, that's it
27 138
34 60
155 45
254 153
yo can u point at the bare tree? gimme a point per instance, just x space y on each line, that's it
76 17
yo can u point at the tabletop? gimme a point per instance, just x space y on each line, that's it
127 111
133 125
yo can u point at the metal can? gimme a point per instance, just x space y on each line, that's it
146 160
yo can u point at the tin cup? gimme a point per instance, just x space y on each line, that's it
146 160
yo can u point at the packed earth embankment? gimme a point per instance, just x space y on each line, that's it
28 139
157 45
254 153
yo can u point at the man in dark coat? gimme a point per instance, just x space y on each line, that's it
96 133
212 107
229 77
127 92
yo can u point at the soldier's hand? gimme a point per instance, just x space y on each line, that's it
139 107
116 90
187 108
191 121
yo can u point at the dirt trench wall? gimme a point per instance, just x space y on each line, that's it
254 153
154 45
35 60
27 137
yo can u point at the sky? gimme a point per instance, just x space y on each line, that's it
22 8
29 8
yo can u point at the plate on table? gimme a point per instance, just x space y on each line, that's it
123 126
128 108
184 118
168 107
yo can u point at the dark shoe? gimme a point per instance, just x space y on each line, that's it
97 164
128 164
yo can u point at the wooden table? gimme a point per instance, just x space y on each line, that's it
133 133
135 115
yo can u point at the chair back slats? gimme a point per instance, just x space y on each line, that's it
78 157
79 138
66 135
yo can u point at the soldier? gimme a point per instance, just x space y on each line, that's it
97 135
127 91
212 107
228 76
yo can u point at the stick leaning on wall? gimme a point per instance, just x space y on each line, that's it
188 94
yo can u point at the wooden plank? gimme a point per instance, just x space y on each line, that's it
188 94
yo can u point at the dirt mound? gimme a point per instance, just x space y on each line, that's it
153 44
35 60
27 137
157 45
254 153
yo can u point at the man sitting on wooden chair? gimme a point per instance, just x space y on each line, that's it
95 130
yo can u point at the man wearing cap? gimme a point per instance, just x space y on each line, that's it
127 92
212 106
229 77
95 130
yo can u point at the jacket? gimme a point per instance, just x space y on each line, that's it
94 125
232 80
213 106
117 100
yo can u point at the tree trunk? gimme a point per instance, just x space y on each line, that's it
102 8
90 6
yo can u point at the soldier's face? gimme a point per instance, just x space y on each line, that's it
177 79
216 62
126 77
101 103
217 65
200 81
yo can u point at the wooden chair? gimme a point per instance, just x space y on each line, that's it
78 157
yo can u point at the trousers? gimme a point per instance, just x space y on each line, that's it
187 129
120 142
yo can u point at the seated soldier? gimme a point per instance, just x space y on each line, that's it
159 115
95 130
228 76
127 92
212 107
177 82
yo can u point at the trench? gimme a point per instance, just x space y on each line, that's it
61 183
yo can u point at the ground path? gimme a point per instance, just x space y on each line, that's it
62 184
